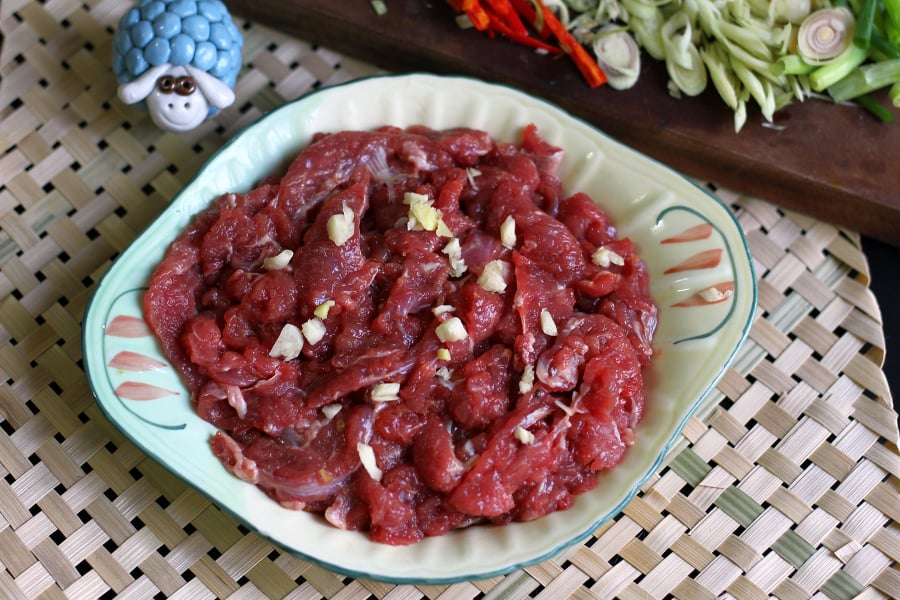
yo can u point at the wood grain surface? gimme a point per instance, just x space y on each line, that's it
836 163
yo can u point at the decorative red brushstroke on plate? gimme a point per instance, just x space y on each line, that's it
127 327
714 294
136 390
134 361
692 234
707 259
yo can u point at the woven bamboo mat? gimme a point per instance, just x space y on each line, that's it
786 485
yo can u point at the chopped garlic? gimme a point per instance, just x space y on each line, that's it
603 257
527 380
548 325
451 330
313 330
454 252
524 436
493 277
443 373
289 343
443 354
422 215
321 310
331 410
367 458
279 261
385 392
714 294
442 229
341 226
442 308
508 232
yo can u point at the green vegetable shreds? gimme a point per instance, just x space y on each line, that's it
762 53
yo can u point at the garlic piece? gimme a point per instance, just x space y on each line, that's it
523 435
331 410
313 330
527 381
603 257
367 458
451 330
508 232
493 277
322 309
548 325
454 252
340 226
279 261
288 344
385 392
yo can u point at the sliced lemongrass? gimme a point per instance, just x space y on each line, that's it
619 57
825 35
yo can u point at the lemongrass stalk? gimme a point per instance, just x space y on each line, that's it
716 61
866 79
830 74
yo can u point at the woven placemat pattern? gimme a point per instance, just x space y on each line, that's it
784 485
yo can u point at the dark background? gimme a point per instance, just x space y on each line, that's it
884 263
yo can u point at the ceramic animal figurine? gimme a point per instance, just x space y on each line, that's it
178 58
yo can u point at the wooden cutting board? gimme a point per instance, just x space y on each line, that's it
837 163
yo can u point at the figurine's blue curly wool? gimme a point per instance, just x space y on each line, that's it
181 32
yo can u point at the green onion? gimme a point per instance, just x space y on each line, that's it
869 103
866 79
884 46
892 8
865 21
829 75
791 64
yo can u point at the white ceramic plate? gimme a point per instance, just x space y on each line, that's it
701 277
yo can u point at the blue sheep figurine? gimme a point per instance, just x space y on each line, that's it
181 57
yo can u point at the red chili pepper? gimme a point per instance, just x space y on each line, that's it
524 39
507 16
471 8
526 9
589 68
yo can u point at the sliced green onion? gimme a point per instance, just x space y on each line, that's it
884 46
866 79
791 64
828 75
865 21
880 112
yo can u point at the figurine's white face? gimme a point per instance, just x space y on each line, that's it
178 98
176 102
